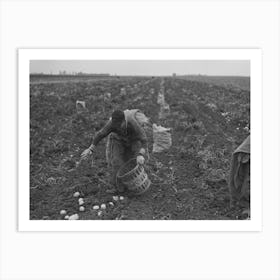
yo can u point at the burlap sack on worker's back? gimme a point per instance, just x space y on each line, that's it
138 115
141 118
161 138
239 178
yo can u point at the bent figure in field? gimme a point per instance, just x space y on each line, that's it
126 139
239 179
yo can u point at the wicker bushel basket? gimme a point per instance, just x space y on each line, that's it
134 177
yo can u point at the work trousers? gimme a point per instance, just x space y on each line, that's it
117 154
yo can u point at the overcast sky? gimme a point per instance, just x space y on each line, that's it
144 67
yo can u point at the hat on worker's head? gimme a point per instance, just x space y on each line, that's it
117 117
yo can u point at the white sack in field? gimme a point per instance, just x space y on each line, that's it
162 138
80 106
164 111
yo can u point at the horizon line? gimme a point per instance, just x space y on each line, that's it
133 75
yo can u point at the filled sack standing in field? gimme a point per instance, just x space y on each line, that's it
239 179
162 138
164 111
80 106
123 92
160 99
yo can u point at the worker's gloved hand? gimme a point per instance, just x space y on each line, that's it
140 160
87 152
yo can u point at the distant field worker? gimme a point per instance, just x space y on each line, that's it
127 139
239 179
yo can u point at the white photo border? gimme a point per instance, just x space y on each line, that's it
255 58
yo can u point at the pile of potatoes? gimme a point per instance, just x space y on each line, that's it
81 202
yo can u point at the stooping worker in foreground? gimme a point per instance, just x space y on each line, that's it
126 139
239 179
